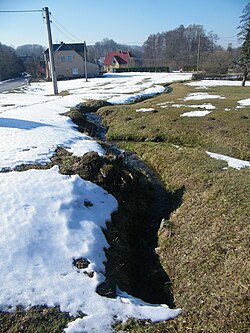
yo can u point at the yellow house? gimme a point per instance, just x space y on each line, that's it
118 59
70 62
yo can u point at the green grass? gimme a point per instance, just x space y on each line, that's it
206 254
205 251
225 132
39 319
64 93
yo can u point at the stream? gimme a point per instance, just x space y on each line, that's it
147 278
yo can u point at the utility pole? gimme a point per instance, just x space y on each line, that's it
85 61
198 52
51 51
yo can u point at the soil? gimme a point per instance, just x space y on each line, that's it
132 262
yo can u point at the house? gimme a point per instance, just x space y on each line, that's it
70 62
118 59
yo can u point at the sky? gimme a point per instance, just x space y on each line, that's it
129 22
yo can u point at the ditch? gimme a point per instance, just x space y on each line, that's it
144 204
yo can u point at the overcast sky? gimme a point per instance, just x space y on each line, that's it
127 22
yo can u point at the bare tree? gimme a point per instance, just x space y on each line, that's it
10 65
244 35
178 48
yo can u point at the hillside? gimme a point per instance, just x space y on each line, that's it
203 244
78 219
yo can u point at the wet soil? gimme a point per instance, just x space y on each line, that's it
144 204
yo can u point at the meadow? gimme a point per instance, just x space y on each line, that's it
204 246
195 137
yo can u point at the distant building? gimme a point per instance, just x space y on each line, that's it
69 62
118 59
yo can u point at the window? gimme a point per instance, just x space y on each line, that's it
75 71
69 58
62 58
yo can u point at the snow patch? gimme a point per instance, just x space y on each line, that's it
45 223
200 96
164 103
244 102
44 227
208 106
129 99
195 113
216 83
232 162
145 110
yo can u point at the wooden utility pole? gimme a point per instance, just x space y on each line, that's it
51 51
198 53
85 61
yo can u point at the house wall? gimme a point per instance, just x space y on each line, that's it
92 69
69 64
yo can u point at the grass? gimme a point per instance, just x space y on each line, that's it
225 132
205 249
64 93
39 319
206 254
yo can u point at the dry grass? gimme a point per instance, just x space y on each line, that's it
206 252
225 132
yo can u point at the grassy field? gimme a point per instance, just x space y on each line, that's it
205 246
225 132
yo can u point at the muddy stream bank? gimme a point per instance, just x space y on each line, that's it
144 207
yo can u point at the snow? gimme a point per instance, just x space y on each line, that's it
200 96
44 222
204 84
33 121
195 113
244 102
145 110
216 83
42 231
232 162
34 131
208 106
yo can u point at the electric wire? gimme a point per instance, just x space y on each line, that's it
63 30
22 11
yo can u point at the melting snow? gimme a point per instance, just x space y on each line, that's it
145 110
45 226
215 83
200 96
243 103
34 126
44 221
232 162
195 114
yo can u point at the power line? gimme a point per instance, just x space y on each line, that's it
21 11
61 27
59 30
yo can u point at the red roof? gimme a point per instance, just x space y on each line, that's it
121 56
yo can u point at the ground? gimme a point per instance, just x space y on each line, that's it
203 239
205 246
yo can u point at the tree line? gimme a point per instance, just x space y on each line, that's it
25 58
10 64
